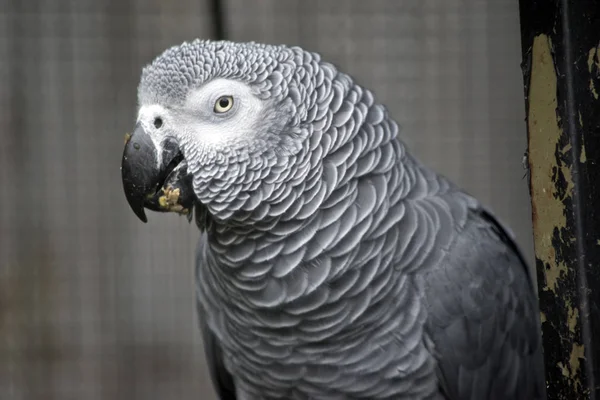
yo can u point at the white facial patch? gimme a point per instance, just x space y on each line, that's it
146 116
222 129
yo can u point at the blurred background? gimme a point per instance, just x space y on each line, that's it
96 305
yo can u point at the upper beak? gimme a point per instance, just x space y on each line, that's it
143 176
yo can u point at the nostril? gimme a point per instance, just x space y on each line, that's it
158 122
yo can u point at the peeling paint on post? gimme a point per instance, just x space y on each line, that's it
561 69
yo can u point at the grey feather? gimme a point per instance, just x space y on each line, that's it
335 265
485 330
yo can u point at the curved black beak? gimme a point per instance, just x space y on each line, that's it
142 174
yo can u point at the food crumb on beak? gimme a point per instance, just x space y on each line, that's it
127 137
168 201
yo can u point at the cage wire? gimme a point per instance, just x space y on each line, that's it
96 305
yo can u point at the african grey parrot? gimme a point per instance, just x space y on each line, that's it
331 264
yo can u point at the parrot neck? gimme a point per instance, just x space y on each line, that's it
351 236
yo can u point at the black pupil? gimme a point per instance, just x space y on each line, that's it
224 103
158 122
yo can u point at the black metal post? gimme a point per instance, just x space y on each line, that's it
561 69
218 17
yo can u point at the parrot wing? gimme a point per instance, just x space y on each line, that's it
221 378
483 316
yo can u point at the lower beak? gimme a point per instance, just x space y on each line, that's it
159 186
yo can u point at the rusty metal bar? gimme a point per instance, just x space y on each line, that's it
561 70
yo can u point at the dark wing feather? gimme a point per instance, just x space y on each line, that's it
483 317
221 379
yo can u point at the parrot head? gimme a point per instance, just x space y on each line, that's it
225 126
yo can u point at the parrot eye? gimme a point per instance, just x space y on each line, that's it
158 122
223 104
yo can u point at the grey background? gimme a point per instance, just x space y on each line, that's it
96 305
